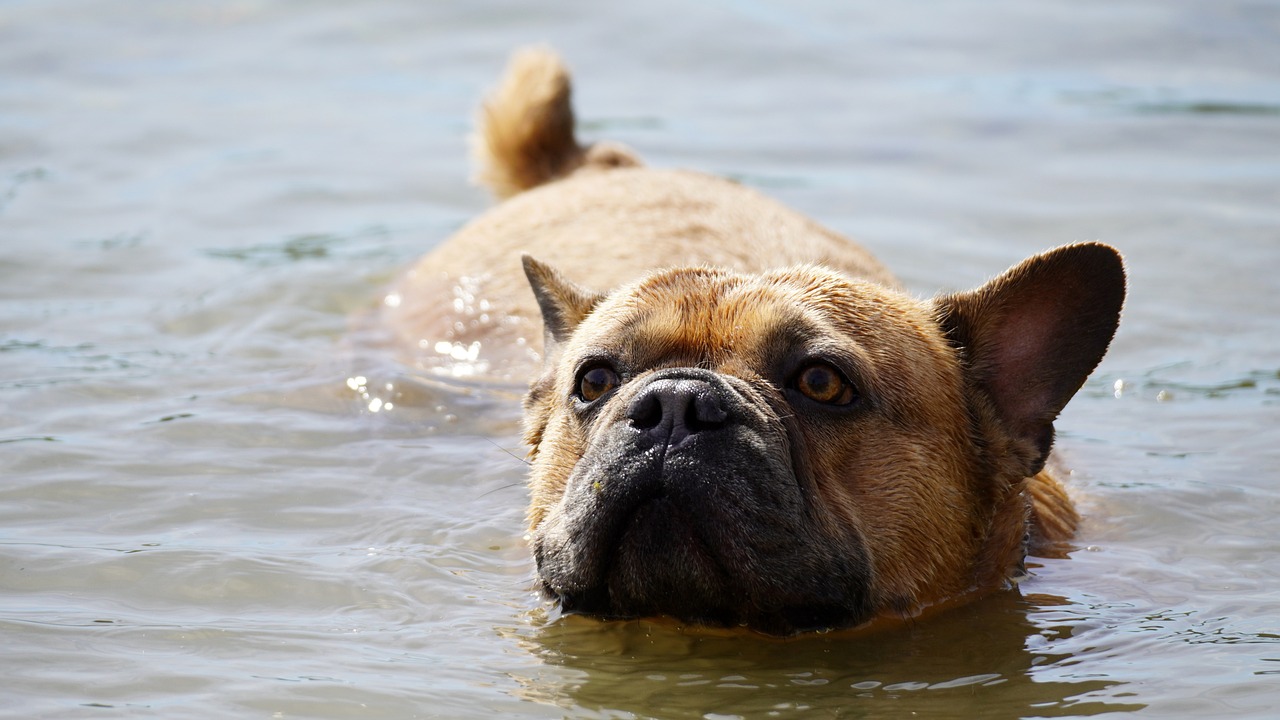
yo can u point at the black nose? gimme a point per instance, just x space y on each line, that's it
672 410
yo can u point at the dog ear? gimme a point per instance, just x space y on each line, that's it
1030 337
563 304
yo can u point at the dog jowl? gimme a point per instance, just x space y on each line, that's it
735 416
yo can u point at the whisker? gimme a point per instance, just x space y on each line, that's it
500 487
508 452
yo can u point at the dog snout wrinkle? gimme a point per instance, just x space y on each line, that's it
671 411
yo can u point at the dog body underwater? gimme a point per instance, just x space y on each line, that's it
735 415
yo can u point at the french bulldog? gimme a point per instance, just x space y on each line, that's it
736 417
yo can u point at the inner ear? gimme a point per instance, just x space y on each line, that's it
1031 337
563 304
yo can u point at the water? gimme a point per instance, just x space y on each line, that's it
219 501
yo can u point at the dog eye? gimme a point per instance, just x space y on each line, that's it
596 382
823 383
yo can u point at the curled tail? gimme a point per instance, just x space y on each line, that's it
526 135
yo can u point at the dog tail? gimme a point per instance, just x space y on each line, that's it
526 135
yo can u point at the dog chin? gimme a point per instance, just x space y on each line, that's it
710 526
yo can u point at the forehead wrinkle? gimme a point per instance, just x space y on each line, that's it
702 319
700 316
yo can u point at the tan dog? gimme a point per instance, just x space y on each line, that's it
752 425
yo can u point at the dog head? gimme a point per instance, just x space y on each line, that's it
796 450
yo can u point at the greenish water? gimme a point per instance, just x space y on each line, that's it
217 501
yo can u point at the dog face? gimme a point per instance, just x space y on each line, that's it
797 450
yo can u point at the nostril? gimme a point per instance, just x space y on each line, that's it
705 413
645 411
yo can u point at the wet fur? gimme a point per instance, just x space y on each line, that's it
932 486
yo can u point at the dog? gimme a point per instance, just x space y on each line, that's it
736 416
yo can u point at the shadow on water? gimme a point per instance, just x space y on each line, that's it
996 658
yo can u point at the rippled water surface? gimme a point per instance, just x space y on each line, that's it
217 501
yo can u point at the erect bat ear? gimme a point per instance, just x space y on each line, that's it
563 303
1030 337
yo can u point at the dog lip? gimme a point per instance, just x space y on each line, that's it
580 584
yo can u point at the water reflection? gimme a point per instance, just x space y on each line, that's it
1001 656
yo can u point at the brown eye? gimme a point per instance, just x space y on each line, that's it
822 383
596 382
